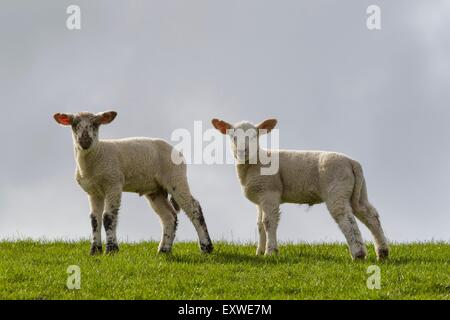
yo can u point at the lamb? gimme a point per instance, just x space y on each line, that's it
106 168
303 177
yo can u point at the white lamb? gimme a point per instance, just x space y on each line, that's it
303 177
106 168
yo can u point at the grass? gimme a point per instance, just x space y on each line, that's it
38 270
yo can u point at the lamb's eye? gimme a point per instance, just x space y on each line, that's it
75 125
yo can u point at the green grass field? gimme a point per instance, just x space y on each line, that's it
38 270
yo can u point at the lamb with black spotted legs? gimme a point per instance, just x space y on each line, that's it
106 168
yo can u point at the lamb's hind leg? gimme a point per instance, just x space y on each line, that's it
341 211
182 195
368 215
168 218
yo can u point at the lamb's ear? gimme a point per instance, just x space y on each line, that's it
267 125
221 125
63 118
105 117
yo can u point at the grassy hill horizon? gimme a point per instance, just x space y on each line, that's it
38 270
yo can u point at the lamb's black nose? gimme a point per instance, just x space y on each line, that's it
85 140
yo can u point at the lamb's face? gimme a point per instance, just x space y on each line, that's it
85 126
245 137
244 141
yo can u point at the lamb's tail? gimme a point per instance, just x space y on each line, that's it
175 205
359 195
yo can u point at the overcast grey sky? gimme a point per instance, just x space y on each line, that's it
382 97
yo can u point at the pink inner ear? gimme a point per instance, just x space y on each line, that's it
268 125
222 126
105 118
63 119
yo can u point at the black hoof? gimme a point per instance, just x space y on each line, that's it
164 250
96 250
206 247
383 254
361 255
112 248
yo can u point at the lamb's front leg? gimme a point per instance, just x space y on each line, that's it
271 217
262 233
110 219
97 205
